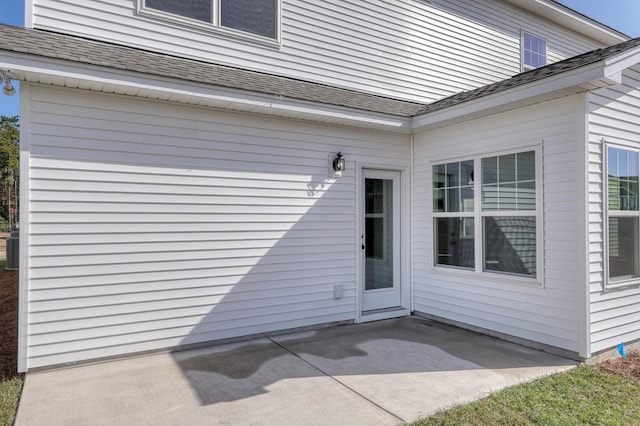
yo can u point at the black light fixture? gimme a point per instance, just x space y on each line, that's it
338 163
8 88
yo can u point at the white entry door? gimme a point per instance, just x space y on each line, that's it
381 239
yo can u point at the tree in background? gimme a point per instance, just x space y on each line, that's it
9 171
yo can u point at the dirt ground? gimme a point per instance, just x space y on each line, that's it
628 368
8 324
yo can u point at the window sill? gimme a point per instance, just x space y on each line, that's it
489 277
622 284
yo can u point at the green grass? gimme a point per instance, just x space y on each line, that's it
3 264
9 396
581 396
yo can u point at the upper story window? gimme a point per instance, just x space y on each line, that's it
257 17
623 219
534 52
492 200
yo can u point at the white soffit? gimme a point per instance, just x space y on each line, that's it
90 77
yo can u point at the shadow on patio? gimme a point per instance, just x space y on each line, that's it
405 365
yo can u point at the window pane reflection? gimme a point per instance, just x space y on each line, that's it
510 244
455 242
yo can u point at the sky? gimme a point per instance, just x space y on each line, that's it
622 15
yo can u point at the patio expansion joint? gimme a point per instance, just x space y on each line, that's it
338 381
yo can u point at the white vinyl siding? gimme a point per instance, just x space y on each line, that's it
404 49
613 119
155 225
548 314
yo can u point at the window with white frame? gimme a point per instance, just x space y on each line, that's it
623 211
453 207
534 51
502 216
257 17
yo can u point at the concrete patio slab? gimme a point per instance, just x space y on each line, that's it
414 367
386 372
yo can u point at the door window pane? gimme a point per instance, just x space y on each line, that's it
378 233
374 244
455 242
510 245
374 196
194 9
378 218
254 16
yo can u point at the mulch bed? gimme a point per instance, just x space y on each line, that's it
628 368
8 324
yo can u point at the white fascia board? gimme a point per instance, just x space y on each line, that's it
618 63
586 25
28 13
516 94
19 64
571 19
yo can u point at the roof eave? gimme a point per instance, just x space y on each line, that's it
566 84
569 18
64 73
616 64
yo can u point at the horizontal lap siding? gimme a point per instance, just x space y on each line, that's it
408 49
614 112
154 225
549 314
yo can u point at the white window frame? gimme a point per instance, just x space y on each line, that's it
478 214
215 25
609 283
462 215
523 66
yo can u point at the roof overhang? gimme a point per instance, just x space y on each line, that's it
63 73
597 75
569 18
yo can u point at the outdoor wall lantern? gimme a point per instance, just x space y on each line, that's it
8 89
338 163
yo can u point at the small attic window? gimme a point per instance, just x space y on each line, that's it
534 52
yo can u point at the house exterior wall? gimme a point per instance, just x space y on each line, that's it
552 311
613 119
153 225
407 49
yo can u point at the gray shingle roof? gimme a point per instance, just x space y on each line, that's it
80 50
534 75
53 45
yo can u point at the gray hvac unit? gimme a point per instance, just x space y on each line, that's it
13 258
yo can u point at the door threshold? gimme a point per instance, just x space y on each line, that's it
386 313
